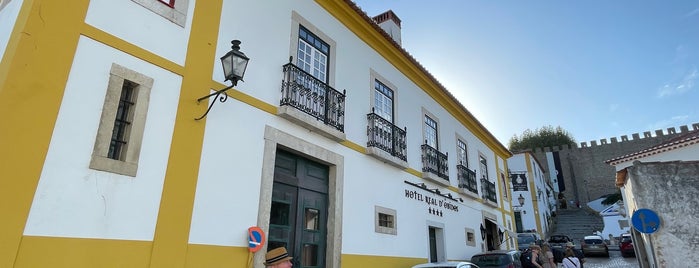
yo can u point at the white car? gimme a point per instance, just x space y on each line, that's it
449 264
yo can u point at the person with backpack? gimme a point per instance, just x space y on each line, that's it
530 257
570 261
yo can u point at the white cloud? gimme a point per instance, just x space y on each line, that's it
683 85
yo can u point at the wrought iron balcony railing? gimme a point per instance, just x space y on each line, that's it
314 97
386 136
467 179
489 190
434 161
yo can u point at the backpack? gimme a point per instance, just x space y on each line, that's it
526 259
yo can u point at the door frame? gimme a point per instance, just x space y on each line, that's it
274 139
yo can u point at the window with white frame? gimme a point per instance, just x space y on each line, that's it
120 133
461 153
383 100
312 55
431 132
385 220
483 164
173 10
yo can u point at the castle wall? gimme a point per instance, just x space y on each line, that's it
586 175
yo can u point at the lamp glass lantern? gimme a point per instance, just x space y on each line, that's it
234 63
521 200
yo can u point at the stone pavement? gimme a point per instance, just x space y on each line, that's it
576 223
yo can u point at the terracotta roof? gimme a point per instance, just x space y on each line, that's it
691 137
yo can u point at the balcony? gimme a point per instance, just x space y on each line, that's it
489 192
312 103
386 141
467 181
435 165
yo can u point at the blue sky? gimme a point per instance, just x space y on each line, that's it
599 69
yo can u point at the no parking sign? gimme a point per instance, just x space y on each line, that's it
256 238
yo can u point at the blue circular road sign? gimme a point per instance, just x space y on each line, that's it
645 221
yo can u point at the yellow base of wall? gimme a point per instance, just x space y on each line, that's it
362 261
58 252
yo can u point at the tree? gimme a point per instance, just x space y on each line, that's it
546 136
612 198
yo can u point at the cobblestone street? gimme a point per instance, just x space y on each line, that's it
615 260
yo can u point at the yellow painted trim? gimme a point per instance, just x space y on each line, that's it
218 256
349 144
532 192
414 172
58 252
33 75
131 49
177 202
362 261
357 24
245 98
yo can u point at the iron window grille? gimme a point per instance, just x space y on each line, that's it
312 96
386 136
467 179
435 162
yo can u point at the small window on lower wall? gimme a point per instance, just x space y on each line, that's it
385 220
470 237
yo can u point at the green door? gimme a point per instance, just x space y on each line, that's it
298 216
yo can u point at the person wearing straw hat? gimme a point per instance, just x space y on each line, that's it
278 258
578 253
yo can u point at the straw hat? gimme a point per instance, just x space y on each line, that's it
570 244
276 256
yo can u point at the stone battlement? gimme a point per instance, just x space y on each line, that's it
647 134
586 174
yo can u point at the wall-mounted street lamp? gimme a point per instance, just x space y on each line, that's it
234 64
520 199
483 232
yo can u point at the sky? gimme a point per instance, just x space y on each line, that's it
598 69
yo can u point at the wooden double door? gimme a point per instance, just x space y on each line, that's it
299 212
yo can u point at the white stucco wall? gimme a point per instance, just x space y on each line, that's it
143 28
227 194
74 201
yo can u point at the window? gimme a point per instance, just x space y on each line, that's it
120 133
461 153
470 237
312 49
122 122
383 101
312 55
431 132
385 222
173 10
504 185
483 166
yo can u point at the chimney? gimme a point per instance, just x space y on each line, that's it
390 23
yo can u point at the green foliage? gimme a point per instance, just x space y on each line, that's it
612 198
546 136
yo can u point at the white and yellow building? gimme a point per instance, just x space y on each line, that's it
338 144
533 195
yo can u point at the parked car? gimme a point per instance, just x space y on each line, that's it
449 264
626 245
525 239
557 243
594 244
498 259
